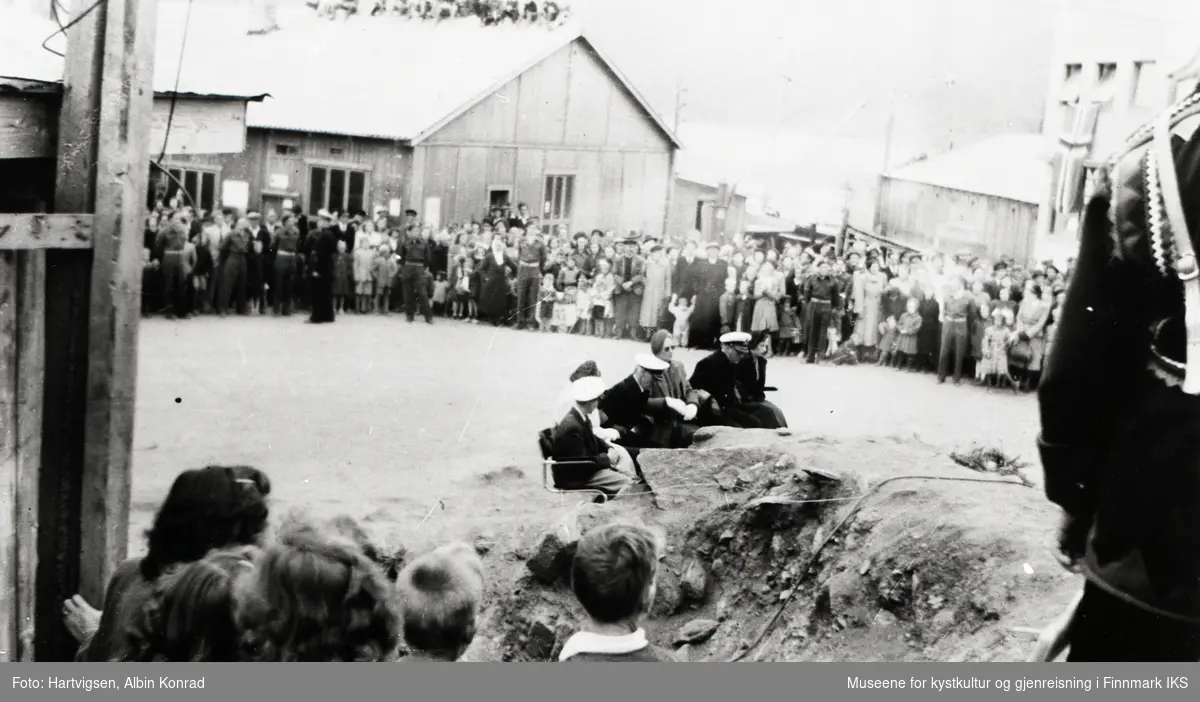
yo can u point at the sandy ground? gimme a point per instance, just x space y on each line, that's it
412 425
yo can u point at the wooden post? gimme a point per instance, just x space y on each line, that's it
92 311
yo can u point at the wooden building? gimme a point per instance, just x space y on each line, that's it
982 198
693 206
453 117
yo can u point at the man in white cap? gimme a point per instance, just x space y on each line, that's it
594 465
717 375
642 420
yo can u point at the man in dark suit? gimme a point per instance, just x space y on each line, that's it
642 420
718 374
521 219
596 466
629 271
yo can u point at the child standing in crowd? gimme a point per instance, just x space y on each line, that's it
384 271
745 308
613 577
889 332
727 306
440 288
789 328
682 312
343 278
602 299
908 328
364 284
996 339
440 594
546 298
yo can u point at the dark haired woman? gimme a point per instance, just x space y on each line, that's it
188 617
752 384
207 508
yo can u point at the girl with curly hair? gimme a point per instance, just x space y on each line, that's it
206 509
316 596
189 616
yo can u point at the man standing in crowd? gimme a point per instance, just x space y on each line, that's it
520 220
1120 402
172 240
531 260
708 283
284 250
717 375
415 257
956 338
821 298
234 248
629 272
321 265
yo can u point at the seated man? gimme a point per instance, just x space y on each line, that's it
644 421
605 468
717 374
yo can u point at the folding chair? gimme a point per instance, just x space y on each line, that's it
548 464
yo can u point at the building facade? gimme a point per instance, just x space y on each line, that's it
694 208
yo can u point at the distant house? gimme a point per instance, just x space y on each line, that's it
693 208
206 109
982 198
447 119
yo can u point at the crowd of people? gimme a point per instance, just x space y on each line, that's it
213 588
489 12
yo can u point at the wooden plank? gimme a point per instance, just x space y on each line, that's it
116 281
68 274
8 457
27 125
45 231
205 126
31 357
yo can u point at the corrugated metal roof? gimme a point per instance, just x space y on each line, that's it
392 78
22 58
1012 166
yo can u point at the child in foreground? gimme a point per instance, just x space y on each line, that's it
613 577
440 594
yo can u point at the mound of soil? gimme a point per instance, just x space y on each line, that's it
785 548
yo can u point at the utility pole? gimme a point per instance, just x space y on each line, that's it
92 309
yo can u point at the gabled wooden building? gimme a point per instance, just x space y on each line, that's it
448 119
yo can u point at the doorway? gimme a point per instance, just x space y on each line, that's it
498 197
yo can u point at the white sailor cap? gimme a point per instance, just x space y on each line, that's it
324 214
652 363
587 388
735 338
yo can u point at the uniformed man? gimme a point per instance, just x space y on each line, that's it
172 242
1120 402
717 374
257 272
629 272
415 257
284 249
234 248
822 295
321 268
531 261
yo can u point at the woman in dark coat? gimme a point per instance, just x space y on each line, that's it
708 280
929 338
752 384
324 253
494 270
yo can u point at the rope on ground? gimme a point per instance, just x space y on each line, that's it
774 620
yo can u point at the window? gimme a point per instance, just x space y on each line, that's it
1072 83
286 150
336 151
1149 85
200 186
1106 83
557 199
340 189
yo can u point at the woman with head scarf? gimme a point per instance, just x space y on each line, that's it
494 270
673 382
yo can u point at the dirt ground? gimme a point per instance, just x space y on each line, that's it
428 432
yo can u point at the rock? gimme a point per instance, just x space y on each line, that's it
484 543
849 598
551 559
696 631
785 462
684 653
726 536
539 639
722 610
885 620
785 595
718 567
784 431
778 545
668 596
744 480
694 582
703 434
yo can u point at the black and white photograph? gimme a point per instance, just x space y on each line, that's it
515 331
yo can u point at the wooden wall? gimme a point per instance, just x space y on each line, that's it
28 125
568 115
931 217
263 166
683 210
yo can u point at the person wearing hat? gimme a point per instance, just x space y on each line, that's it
821 293
416 256
256 263
172 240
645 421
1119 402
717 374
321 269
657 293
531 263
595 465
284 248
233 269
708 284
629 272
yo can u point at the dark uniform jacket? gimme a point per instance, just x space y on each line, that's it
825 288
717 375
416 249
630 409
573 440
1119 443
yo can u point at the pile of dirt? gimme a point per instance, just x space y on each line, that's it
803 548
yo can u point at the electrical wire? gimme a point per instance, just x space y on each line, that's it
812 559
62 29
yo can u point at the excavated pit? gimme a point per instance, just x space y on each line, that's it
786 548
